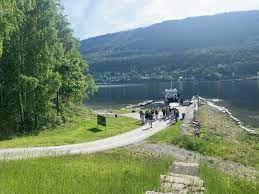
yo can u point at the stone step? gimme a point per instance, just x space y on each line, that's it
185 168
182 184
182 179
180 188
154 192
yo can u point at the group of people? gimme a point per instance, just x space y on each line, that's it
149 116
171 113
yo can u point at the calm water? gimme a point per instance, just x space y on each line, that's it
241 97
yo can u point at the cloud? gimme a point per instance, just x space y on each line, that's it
91 18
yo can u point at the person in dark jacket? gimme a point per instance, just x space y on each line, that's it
177 113
163 111
146 115
150 119
142 117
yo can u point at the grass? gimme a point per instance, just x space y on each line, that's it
219 183
238 147
114 172
82 127
168 135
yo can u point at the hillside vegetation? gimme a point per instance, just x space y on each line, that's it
223 46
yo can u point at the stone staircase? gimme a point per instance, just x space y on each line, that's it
183 179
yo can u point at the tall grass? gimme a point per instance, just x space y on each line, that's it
168 135
113 172
244 149
219 183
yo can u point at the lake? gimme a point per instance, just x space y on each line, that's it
241 97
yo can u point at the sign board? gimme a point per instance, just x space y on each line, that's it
101 120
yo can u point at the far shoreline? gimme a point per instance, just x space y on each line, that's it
118 83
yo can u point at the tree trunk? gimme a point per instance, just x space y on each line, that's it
36 123
2 96
21 105
57 103
21 110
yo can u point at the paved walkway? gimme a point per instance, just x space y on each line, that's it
121 140
124 139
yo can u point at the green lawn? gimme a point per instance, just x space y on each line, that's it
115 172
219 183
81 128
168 135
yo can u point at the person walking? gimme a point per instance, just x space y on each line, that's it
176 114
142 117
152 111
163 111
156 113
167 113
146 115
172 114
150 119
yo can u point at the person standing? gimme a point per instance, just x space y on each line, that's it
163 111
156 113
146 115
176 114
150 119
167 113
172 113
142 117
152 111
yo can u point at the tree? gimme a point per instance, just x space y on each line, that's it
41 68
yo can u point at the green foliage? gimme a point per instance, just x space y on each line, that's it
219 183
114 172
41 70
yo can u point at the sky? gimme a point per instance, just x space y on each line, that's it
90 18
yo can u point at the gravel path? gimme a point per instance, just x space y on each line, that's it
124 139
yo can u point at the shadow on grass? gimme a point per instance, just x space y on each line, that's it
95 130
139 123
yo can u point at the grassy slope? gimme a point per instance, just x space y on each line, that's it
219 183
215 140
167 136
245 151
81 128
115 172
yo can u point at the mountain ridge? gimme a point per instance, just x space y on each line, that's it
127 50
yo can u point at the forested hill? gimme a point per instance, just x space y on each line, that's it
208 47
